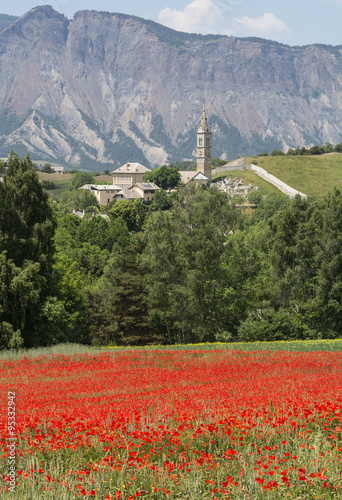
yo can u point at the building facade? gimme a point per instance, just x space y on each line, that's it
129 174
104 193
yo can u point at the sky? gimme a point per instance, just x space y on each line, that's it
293 22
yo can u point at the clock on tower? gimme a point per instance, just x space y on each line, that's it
204 147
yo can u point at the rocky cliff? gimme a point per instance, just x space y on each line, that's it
111 88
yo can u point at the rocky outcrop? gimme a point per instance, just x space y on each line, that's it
111 88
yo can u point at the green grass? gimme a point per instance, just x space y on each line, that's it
71 349
330 345
312 175
249 177
62 182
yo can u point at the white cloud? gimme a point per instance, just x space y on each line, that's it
267 25
199 16
203 16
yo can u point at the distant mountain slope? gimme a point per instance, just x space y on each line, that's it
110 88
6 20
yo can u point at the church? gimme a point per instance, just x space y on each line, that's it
203 172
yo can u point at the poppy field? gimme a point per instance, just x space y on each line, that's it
180 424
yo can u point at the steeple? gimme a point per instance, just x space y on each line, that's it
204 147
204 124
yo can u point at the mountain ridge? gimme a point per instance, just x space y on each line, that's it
106 88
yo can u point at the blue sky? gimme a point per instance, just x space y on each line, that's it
294 22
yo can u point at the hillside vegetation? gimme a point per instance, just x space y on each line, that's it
312 175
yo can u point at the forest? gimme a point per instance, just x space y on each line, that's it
192 267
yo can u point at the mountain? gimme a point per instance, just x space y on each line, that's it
108 88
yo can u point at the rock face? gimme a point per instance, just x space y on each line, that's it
111 88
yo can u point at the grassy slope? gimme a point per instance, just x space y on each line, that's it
312 175
62 181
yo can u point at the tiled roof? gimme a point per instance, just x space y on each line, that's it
187 175
131 168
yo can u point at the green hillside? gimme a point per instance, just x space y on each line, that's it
312 175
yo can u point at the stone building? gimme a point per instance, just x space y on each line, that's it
145 191
104 193
129 174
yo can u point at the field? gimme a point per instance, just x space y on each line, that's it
62 182
193 422
312 175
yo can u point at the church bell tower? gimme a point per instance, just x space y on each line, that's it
204 147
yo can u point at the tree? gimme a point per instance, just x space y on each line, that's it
161 200
282 304
79 179
270 325
217 162
47 168
122 299
67 310
328 147
317 150
21 291
78 200
26 222
128 212
93 231
268 207
118 233
165 177
26 247
255 197
182 258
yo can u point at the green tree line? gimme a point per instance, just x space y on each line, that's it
302 151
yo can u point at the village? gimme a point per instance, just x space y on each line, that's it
129 184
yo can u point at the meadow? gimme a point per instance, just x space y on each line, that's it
189 422
312 175
62 182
